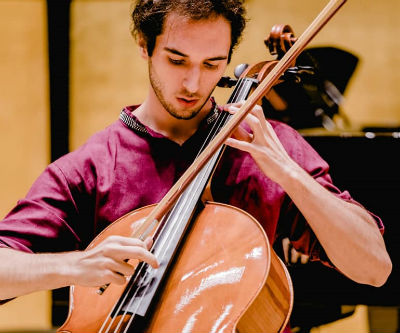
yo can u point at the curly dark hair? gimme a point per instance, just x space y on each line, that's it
149 15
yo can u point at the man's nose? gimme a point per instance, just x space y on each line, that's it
191 81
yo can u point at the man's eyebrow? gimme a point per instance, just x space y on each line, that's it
217 58
174 51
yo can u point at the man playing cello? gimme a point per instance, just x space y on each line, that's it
268 170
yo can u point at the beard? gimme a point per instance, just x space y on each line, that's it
158 89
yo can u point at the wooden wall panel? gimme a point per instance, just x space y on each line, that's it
106 71
24 144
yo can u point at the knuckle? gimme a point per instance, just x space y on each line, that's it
141 252
106 263
108 249
138 242
258 109
105 277
112 239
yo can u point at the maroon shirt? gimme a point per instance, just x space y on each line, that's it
128 165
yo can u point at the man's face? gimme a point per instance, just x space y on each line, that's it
188 60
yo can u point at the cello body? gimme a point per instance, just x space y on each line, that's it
225 278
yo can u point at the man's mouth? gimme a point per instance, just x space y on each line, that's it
187 101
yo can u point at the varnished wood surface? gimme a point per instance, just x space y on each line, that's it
88 309
225 277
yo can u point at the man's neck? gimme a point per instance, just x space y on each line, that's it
158 119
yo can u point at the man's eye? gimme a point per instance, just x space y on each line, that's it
210 66
175 61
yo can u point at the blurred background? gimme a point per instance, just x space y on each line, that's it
68 67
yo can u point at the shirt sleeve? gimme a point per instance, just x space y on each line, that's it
39 221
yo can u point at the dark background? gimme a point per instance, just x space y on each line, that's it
368 169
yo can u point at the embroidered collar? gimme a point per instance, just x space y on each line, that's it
134 124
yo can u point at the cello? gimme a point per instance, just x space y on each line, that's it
191 291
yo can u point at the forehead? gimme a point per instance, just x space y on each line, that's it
205 38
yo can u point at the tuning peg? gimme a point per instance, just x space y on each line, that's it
239 69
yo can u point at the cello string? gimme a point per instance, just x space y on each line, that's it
225 116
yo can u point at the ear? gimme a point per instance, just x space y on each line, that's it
143 48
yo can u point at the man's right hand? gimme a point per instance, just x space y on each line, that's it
22 273
107 262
